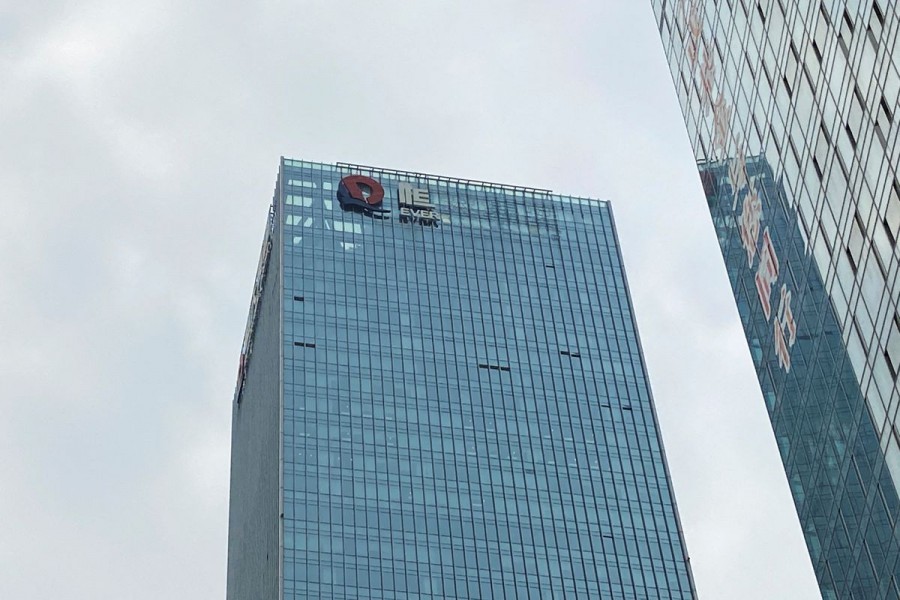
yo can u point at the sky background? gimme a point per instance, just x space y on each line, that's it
139 144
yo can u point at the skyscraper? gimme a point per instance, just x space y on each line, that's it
441 394
790 108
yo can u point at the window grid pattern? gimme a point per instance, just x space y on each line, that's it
790 106
842 490
466 409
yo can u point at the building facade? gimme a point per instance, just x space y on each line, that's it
790 107
441 394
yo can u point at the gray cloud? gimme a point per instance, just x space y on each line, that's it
139 147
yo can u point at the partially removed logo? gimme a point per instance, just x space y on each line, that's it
362 194
416 206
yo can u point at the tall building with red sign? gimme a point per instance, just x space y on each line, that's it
441 394
792 107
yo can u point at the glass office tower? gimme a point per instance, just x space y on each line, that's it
441 394
790 108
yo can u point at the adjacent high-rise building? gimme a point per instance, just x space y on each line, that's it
441 394
791 108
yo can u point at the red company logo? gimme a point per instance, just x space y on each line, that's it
362 194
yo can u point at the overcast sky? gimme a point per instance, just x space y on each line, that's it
139 143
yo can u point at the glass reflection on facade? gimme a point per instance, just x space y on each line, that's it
442 395
790 107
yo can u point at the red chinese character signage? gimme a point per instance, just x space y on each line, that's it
707 78
751 217
721 125
748 225
785 330
695 31
766 274
737 172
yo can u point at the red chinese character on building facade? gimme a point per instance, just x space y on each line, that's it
721 124
737 172
707 78
695 33
785 326
766 274
751 215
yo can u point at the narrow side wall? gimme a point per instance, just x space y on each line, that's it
253 520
